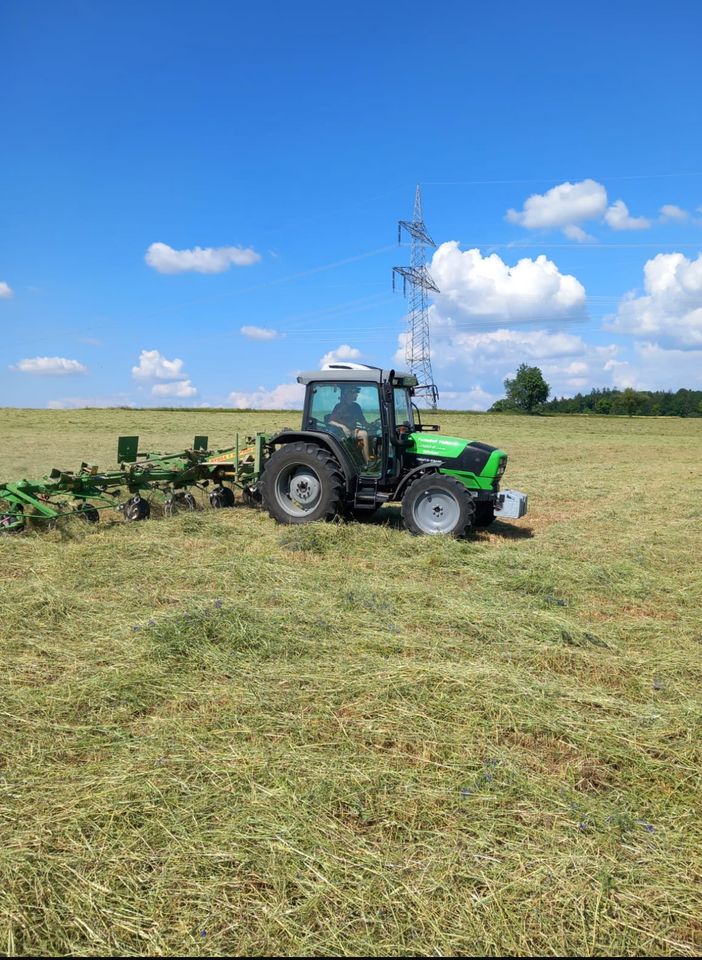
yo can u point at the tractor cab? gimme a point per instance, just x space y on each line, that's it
366 409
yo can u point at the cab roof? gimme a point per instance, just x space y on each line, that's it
358 373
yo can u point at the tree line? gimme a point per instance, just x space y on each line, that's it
528 391
631 403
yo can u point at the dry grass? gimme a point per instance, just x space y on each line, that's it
223 736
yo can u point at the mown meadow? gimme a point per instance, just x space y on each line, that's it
223 736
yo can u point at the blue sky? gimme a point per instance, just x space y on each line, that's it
268 152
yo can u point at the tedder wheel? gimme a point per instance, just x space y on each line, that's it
251 497
137 509
302 482
10 524
181 502
438 504
87 512
222 497
484 513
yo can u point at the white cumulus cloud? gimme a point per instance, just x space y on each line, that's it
577 233
259 333
286 396
503 348
567 361
340 354
471 398
200 259
578 368
656 368
180 388
619 218
562 206
5 290
670 311
476 287
50 366
669 211
154 366
72 403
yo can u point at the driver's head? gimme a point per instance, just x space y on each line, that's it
350 392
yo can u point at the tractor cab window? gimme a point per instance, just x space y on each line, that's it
403 407
351 413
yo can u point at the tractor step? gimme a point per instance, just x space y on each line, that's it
367 495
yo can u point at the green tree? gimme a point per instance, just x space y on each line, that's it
632 401
528 389
499 406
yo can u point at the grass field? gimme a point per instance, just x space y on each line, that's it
220 735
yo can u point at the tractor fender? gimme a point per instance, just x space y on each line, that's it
429 466
325 440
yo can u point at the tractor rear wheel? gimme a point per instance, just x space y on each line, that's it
438 504
302 482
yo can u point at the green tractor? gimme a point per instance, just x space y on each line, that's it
362 444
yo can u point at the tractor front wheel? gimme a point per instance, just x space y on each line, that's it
438 504
302 482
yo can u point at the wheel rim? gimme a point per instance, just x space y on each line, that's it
298 490
436 511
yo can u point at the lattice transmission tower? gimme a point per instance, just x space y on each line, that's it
417 279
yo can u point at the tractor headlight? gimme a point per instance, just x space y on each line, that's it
502 467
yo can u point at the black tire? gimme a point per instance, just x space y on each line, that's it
182 501
302 482
250 497
137 509
222 497
10 524
438 504
89 513
484 513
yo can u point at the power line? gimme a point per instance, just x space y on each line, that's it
545 179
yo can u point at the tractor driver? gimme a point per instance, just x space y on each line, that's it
348 417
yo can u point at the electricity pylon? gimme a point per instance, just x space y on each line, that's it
417 278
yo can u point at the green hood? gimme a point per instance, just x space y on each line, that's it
477 464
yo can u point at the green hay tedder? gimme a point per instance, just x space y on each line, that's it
361 444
